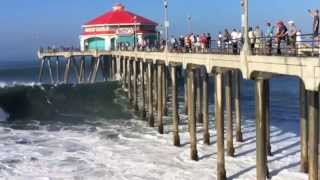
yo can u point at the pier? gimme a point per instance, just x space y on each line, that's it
155 71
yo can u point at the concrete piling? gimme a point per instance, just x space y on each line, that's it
205 109
135 86
129 68
261 147
165 91
237 95
199 118
186 92
175 112
41 70
96 69
219 118
142 85
191 114
303 128
150 94
66 72
57 70
160 98
125 73
313 134
50 70
75 68
82 70
228 105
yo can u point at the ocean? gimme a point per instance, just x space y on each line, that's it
88 131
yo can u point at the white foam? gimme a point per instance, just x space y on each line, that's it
15 83
136 152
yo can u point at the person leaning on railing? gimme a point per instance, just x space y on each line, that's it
282 33
292 36
269 36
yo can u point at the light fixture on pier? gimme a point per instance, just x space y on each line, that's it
166 22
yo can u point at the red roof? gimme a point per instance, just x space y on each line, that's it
120 16
115 32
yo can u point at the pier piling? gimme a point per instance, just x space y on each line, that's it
66 72
150 94
175 112
96 69
135 86
186 92
57 70
219 118
303 128
237 95
205 109
50 70
261 147
228 98
191 113
129 68
199 118
41 70
82 70
160 95
165 90
142 85
313 134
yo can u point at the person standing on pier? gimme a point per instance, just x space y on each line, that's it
258 37
316 20
226 39
252 39
315 26
219 42
234 37
269 36
208 41
282 33
292 36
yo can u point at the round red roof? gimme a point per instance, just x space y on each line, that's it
120 16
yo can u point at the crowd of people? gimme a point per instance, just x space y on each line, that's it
277 37
191 43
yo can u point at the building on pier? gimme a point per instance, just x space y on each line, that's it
115 28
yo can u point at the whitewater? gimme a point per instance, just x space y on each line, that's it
112 143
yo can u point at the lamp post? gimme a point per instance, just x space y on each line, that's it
245 27
96 38
190 24
166 22
135 33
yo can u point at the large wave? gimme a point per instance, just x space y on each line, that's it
36 101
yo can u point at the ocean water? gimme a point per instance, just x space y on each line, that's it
89 132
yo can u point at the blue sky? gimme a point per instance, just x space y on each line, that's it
28 24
